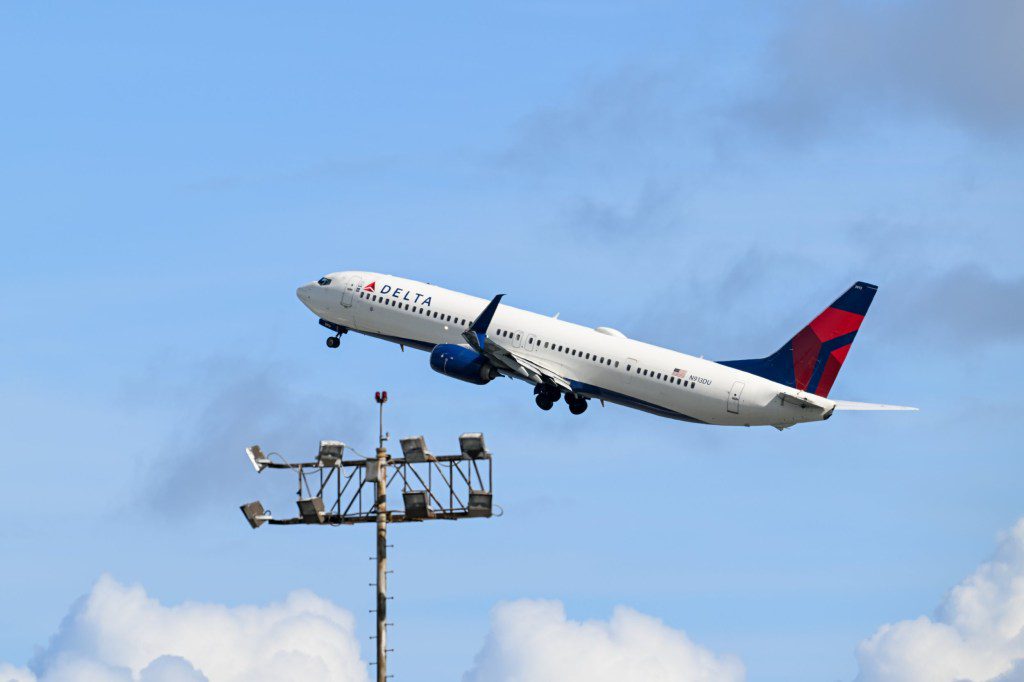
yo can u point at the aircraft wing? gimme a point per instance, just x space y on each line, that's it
531 370
850 405
505 360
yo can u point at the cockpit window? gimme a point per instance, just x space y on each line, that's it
324 281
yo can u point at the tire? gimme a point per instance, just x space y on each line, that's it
544 402
333 342
578 406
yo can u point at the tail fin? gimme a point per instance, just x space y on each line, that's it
810 361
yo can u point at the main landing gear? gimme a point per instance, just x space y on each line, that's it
577 404
546 397
334 341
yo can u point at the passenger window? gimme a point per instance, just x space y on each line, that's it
627 367
617 364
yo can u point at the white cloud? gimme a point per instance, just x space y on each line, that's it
977 633
119 634
8 673
534 641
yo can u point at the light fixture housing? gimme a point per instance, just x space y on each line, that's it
330 453
372 471
472 445
257 458
311 509
415 450
417 504
479 503
255 514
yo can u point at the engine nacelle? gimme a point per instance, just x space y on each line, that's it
461 363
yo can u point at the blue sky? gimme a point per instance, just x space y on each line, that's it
702 176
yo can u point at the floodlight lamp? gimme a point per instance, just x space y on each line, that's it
258 459
415 449
330 453
255 514
479 503
472 445
417 504
311 510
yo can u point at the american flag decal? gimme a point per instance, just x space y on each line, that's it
681 373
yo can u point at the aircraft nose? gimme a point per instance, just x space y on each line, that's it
304 292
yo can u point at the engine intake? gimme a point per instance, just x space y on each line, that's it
462 363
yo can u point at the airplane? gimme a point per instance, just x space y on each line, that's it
475 340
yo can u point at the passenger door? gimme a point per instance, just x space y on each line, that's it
350 291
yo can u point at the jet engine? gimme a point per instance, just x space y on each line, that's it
462 363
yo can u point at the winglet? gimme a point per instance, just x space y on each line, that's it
478 330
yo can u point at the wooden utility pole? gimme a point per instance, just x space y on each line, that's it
382 547
382 565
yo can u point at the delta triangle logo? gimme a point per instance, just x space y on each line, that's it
371 287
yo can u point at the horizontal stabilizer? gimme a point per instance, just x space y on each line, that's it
850 405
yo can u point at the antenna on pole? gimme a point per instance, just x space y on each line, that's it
381 397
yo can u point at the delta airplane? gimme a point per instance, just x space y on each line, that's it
474 340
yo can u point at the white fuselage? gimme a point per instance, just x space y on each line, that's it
600 363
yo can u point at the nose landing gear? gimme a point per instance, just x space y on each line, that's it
333 341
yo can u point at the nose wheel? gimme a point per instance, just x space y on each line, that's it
333 341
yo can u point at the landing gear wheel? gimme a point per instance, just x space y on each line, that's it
333 341
544 402
578 406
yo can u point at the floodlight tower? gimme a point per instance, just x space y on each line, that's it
463 489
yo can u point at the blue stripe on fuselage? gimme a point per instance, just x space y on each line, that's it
629 401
